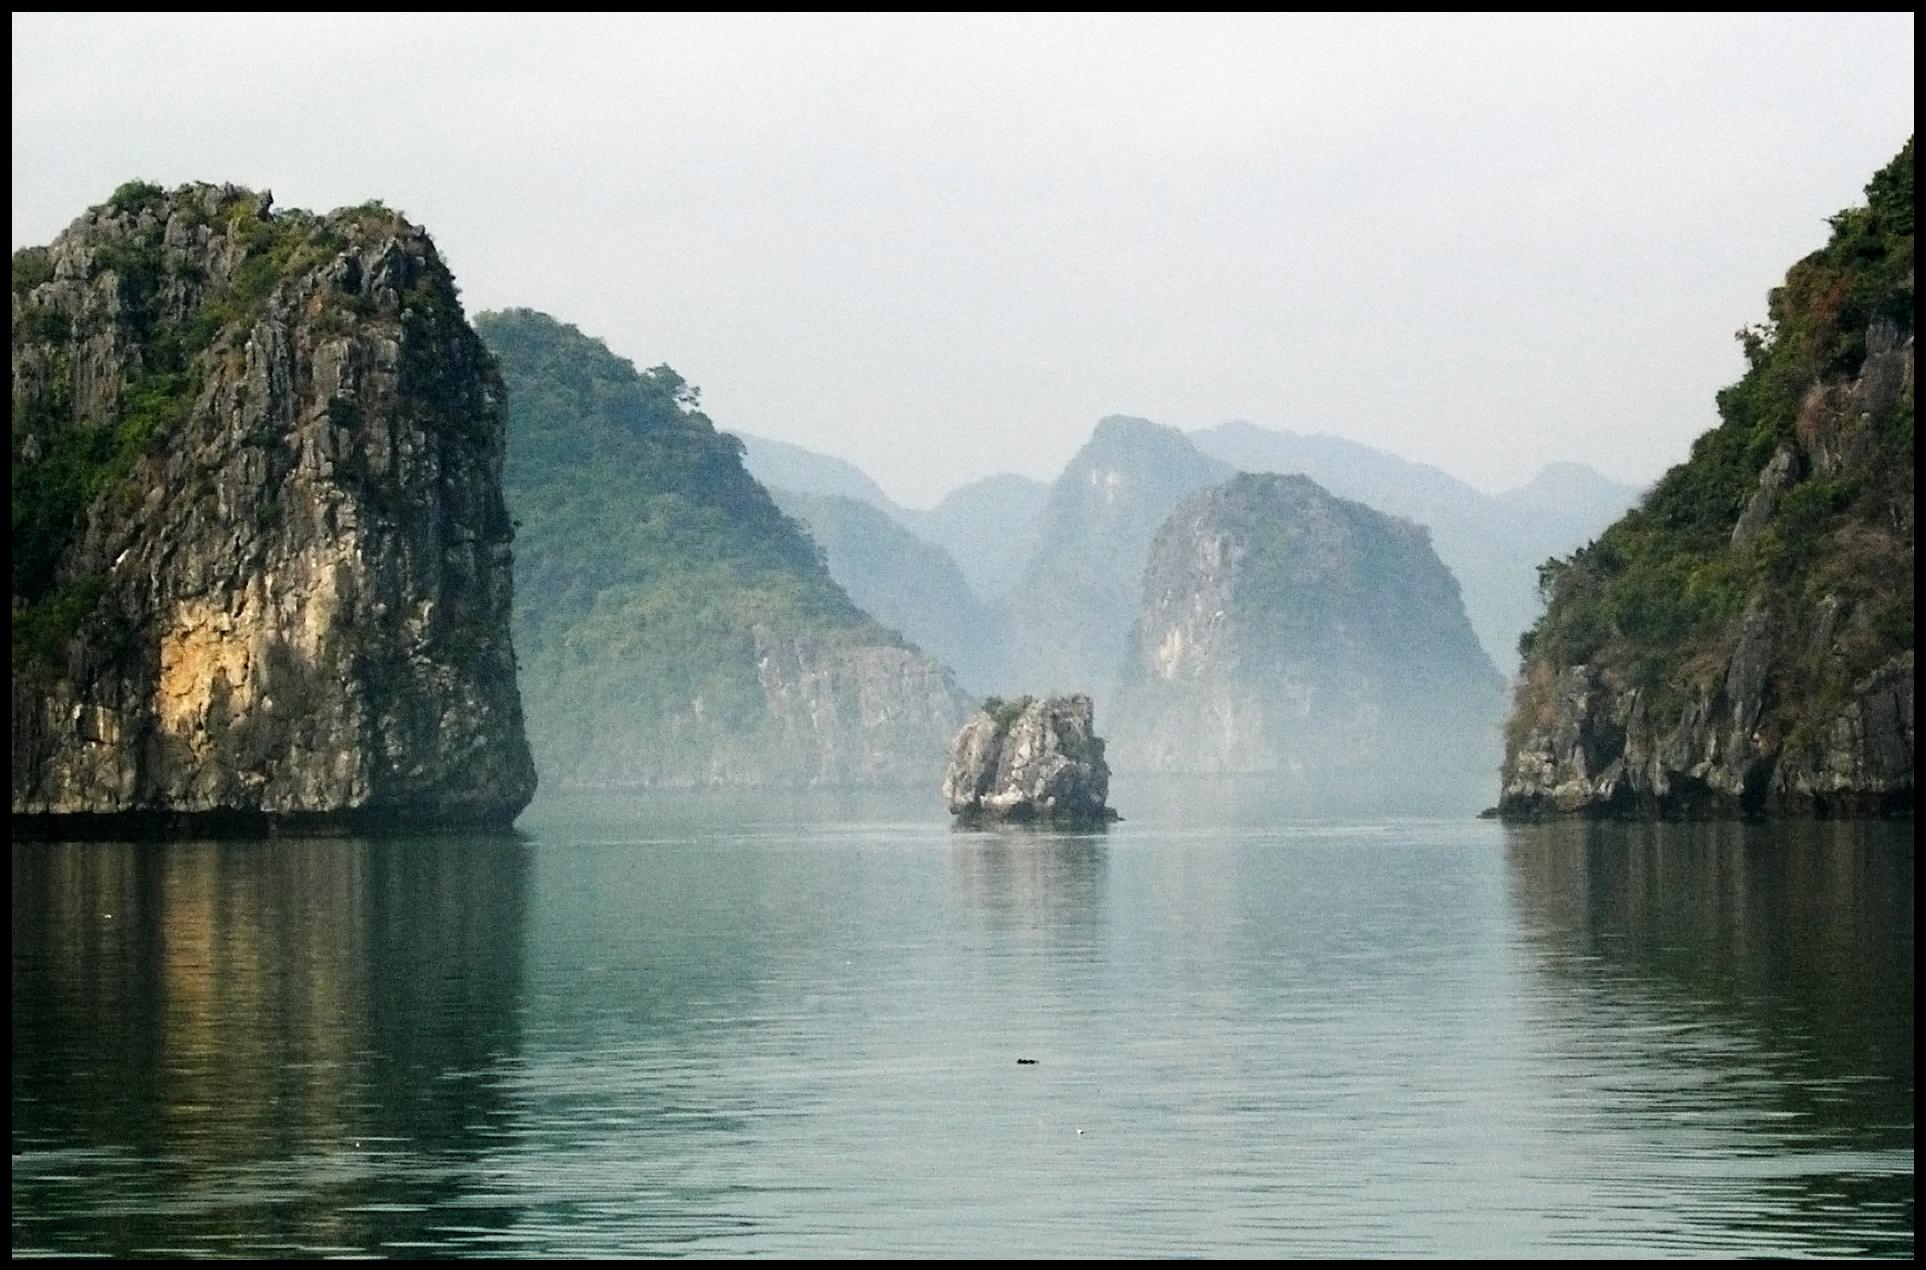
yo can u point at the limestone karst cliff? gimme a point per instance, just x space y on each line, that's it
677 629
1490 543
1287 631
261 562
1742 643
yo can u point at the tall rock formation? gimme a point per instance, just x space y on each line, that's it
1742 643
676 628
1284 630
261 567
1069 619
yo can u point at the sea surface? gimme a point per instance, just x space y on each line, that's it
730 1025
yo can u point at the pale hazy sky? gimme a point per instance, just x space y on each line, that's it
945 246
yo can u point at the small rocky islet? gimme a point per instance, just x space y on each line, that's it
1030 761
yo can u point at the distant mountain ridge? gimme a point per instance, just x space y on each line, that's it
1569 489
1252 447
905 582
1070 616
989 527
1007 536
781 465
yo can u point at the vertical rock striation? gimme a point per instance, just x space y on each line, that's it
261 559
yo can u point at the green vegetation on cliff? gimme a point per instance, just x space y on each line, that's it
653 574
156 297
642 539
261 559
1667 578
1794 514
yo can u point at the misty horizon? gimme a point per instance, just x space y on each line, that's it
1548 227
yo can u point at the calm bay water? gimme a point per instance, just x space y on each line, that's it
717 1026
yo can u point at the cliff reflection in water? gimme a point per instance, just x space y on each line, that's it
723 1028
1752 983
239 1046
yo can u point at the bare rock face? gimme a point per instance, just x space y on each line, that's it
852 716
261 558
1029 760
1598 752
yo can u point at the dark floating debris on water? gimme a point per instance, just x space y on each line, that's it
1026 1062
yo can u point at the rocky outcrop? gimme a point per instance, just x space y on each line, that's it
1030 760
261 559
1287 631
676 629
1742 644
1596 751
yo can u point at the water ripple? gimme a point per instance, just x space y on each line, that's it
719 1031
